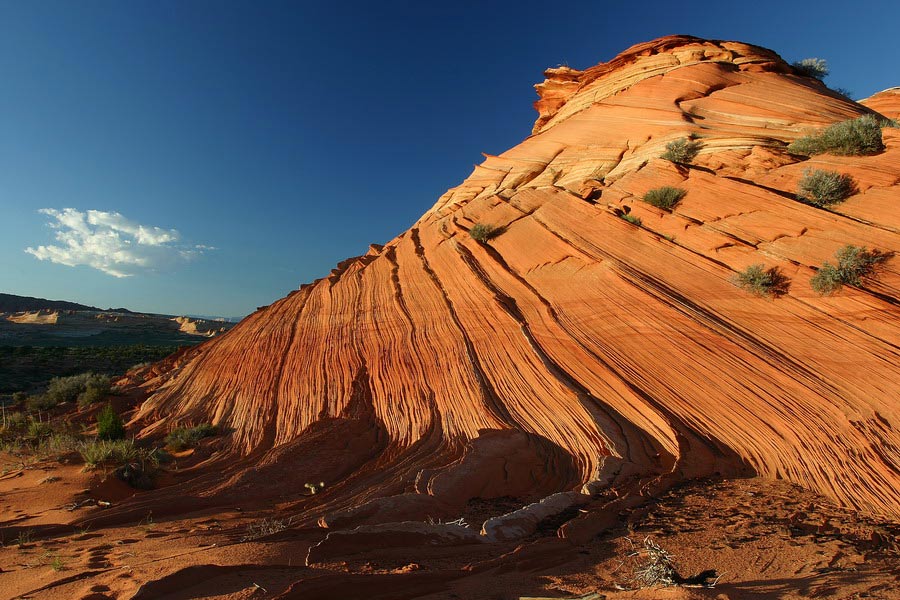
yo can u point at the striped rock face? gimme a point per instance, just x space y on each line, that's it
574 350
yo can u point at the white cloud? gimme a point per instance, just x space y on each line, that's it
111 243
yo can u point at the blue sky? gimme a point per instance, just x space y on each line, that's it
250 146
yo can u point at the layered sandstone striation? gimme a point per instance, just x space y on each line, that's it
575 352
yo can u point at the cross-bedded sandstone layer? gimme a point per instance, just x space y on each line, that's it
575 351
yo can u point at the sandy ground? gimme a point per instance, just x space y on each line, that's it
765 539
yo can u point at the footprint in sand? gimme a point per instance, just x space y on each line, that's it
99 557
156 534
97 592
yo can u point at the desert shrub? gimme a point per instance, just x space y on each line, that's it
13 420
26 368
60 443
180 439
183 438
25 536
854 263
848 138
57 563
86 388
843 92
656 568
824 188
19 398
109 424
39 429
161 456
812 67
631 219
681 150
665 197
140 472
98 451
481 232
827 279
96 388
66 389
39 402
763 282
265 527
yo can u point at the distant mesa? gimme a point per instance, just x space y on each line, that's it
10 303
73 322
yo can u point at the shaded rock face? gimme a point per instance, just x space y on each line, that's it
575 347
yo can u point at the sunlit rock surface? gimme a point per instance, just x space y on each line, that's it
574 351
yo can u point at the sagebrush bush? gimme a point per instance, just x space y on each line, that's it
763 282
631 219
681 150
812 67
39 402
823 188
481 232
96 388
67 389
665 197
183 438
855 137
854 263
86 388
109 424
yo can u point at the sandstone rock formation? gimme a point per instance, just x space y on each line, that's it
574 351
41 317
200 327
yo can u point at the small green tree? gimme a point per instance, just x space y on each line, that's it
109 424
